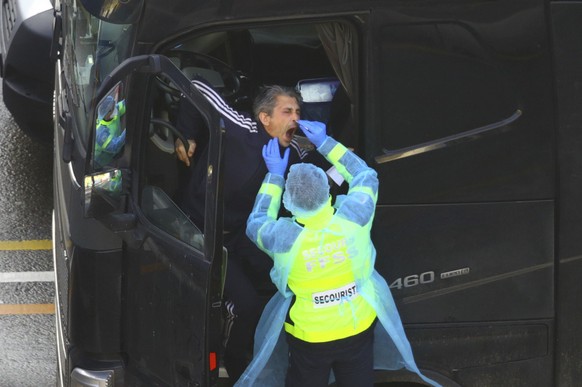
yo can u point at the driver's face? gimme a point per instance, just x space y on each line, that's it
282 121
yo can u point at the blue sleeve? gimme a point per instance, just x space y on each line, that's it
360 203
262 221
116 143
101 135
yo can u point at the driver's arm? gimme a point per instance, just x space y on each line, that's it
190 123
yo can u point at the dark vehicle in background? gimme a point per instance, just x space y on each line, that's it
469 112
25 65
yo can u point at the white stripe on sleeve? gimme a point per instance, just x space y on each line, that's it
224 109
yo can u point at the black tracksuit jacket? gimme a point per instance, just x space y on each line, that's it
244 167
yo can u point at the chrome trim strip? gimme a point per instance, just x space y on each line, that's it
61 349
81 377
72 174
476 283
469 135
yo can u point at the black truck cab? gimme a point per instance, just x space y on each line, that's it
467 110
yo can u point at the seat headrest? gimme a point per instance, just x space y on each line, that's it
317 89
211 76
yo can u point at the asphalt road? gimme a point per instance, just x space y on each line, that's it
27 333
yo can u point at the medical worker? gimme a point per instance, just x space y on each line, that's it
335 309
109 138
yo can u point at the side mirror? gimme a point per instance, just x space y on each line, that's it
103 193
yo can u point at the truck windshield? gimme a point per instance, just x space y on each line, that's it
92 49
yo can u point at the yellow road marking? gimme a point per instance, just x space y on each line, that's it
13 309
6 309
41 244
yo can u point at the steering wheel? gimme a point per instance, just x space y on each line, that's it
164 140
166 86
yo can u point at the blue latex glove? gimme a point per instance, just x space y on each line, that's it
275 163
314 130
102 135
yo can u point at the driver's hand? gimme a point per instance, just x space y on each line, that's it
181 151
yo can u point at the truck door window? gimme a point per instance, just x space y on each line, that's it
159 208
164 177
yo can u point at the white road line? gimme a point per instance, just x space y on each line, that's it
28 276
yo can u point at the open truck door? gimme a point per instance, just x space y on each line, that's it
171 272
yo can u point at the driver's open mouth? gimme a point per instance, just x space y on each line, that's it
290 132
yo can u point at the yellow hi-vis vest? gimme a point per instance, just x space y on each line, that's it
320 257
327 303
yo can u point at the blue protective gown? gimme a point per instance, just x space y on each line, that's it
277 237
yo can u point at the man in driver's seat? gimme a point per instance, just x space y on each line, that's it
276 111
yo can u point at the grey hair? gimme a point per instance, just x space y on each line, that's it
266 99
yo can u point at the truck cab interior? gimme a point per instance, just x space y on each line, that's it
237 63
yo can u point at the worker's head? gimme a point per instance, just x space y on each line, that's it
306 190
106 108
278 109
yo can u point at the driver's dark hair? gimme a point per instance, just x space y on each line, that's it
266 99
